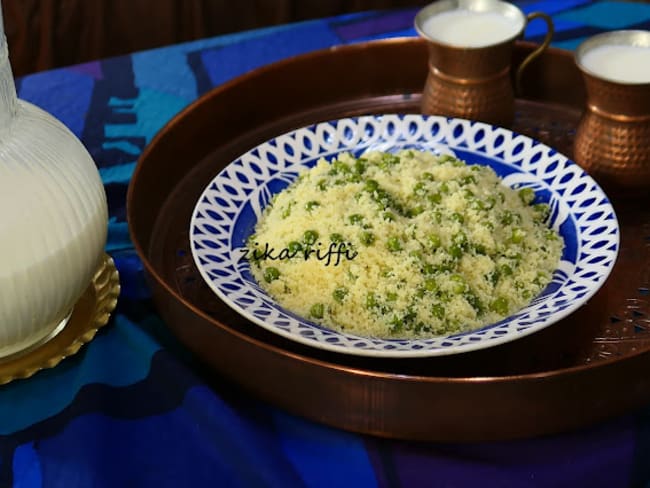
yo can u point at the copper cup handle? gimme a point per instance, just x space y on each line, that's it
542 47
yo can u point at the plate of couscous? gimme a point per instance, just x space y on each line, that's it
403 235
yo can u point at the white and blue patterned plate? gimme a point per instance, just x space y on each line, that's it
228 209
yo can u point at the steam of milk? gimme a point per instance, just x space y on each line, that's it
625 64
468 28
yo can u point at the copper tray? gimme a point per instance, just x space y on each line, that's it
591 366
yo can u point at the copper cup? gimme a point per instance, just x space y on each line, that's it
612 141
473 81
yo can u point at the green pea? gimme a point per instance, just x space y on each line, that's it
397 325
429 269
371 185
526 195
391 296
360 166
517 236
420 189
340 293
294 247
339 167
427 176
541 210
430 285
317 310
467 180
322 185
336 238
393 244
310 237
367 238
444 187
456 251
480 249
505 270
456 217
434 241
446 158
389 216
309 206
355 218
458 284
500 306
507 218
271 274
438 311
434 198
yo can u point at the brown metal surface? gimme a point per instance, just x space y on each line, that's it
613 137
588 367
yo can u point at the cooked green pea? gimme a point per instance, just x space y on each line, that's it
434 198
438 311
430 285
340 293
396 325
271 274
456 251
420 189
444 187
446 158
434 241
505 270
393 244
322 185
500 305
517 236
294 247
371 185
367 238
429 269
311 205
310 237
427 176
507 218
355 218
360 166
458 285
317 310
389 216
336 237
526 195
467 180
391 296
457 218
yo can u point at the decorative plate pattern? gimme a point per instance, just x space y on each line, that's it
228 209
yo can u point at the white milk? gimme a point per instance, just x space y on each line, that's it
626 64
467 28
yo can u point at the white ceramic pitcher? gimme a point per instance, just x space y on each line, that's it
53 218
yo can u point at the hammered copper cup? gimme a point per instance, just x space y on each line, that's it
612 141
474 82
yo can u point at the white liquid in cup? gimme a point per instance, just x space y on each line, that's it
468 28
625 64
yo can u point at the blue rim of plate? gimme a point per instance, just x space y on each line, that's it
229 207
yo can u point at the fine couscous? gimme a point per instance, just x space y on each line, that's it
403 245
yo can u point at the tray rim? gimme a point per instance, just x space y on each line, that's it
180 117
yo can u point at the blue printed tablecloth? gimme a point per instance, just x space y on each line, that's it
132 409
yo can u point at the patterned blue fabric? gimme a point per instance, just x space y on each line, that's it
134 409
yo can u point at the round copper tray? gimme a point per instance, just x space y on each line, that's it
591 366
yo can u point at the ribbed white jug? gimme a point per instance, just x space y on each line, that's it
53 218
